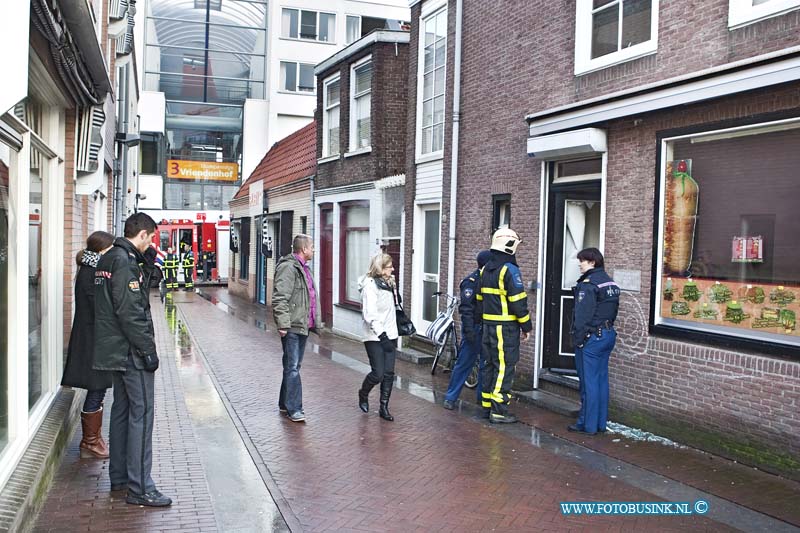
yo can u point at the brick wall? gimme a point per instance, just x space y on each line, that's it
743 405
701 388
74 223
388 108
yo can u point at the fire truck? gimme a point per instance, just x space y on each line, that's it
206 241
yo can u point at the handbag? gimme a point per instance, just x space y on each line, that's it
404 325
439 327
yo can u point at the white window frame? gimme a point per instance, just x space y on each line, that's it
347 16
296 78
326 152
583 40
300 24
25 420
743 12
431 12
353 147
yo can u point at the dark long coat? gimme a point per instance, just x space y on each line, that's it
78 371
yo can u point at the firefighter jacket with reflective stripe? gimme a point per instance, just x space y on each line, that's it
596 303
502 295
171 261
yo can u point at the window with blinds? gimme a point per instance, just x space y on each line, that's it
361 77
330 142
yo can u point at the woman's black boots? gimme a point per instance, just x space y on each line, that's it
386 393
363 395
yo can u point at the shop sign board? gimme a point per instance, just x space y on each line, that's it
179 169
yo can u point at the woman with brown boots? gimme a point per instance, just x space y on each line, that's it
380 331
78 371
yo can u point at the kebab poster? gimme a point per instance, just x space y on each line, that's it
680 210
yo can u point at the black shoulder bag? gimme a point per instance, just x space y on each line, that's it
404 325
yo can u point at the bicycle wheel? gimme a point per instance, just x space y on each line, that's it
441 350
472 379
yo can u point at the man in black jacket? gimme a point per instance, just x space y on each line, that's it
125 344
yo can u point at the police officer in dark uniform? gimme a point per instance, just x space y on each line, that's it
471 323
124 344
593 334
505 320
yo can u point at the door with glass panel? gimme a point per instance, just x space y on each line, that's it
427 283
573 224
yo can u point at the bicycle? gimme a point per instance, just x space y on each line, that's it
447 350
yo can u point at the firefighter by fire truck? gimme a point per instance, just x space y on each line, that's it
188 270
171 269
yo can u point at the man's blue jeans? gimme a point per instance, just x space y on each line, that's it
291 395
467 353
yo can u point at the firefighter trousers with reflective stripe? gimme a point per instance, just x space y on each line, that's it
171 273
501 353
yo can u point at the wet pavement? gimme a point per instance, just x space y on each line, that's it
343 470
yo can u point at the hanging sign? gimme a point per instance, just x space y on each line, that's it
747 250
179 169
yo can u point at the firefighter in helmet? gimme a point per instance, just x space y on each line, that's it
171 269
506 320
188 270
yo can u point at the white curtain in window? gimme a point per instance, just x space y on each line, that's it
327 27
332 121
289 23
363 121
357 243
353 29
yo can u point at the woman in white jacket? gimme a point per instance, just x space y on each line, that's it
380 330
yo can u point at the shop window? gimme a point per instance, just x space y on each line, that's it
244 249
354 250
501 211
612 31
7 162
729 246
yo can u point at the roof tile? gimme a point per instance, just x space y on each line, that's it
292 158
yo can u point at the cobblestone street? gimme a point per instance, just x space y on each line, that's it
430 470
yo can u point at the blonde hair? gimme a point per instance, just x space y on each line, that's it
377 264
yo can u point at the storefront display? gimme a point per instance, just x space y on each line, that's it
730 255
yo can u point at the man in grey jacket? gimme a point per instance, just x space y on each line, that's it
294 307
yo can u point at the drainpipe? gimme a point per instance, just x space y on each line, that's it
451 246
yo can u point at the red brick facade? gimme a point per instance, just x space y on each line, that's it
389 100
517 60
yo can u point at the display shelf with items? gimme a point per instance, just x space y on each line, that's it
744 306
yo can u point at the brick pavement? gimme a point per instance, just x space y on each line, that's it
79 498
429 470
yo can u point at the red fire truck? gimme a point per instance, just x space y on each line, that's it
201 239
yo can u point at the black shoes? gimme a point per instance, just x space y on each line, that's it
363 401
384 411
575 428
118 486
495 418
149 499
447 404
